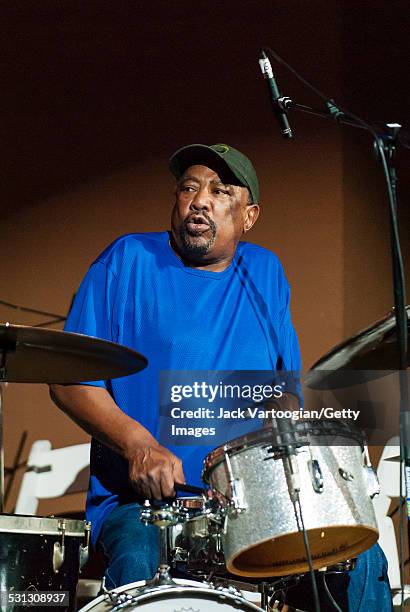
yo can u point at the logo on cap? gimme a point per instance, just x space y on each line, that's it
221 148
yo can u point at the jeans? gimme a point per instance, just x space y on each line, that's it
129 546
369 588
131 551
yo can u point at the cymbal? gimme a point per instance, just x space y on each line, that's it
368 355
40 355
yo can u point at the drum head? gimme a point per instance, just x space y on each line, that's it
327 432
185 595
285 555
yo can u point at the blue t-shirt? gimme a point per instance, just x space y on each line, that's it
140 294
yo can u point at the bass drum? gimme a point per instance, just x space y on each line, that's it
185 595
42 554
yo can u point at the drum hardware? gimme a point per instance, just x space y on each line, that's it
195 546
295 590
340 568
237 503
284 436
314 468
316 475
163 517
346 475
291 470
59 547
85 548
163 587
274 594
372 480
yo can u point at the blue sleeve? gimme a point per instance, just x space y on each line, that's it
92 310
289 352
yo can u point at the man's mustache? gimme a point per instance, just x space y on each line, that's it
203 215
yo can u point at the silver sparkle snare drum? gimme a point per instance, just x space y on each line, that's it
183 595
261 536
42 554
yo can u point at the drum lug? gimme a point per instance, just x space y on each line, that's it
59 548
346 475
237 501
84 548
316 475
372 481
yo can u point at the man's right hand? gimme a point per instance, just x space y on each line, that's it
153 471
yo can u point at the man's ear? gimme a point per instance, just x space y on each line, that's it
252 213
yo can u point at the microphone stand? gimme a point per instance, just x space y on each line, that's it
385 145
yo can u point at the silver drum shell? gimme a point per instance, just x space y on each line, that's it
263 539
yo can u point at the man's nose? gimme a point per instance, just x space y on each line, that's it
201 201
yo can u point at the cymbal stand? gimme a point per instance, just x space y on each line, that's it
7 347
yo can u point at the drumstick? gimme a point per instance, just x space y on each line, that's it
187 488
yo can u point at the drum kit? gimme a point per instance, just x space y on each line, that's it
237 543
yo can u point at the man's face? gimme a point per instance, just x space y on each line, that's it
209 218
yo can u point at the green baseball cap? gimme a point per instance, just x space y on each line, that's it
233 167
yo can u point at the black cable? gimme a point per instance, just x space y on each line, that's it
301 527
321 95
329 594
300 78
401 531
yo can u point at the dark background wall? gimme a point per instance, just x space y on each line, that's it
97 95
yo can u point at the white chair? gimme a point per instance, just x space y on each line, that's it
388 472
52 473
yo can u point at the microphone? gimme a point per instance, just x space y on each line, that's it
285 437
280 103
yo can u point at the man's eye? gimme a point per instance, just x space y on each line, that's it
187 188
223 191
